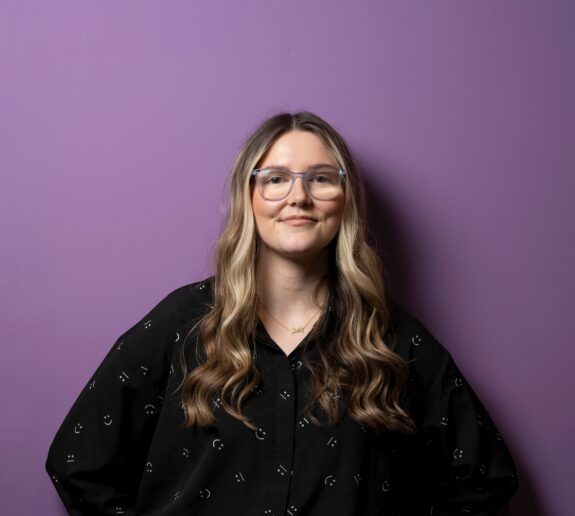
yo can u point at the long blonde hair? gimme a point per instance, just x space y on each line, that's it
356 363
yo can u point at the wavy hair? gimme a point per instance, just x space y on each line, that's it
356 366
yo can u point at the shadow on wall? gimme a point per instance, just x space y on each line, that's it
388 237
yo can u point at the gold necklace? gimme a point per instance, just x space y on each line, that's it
292 329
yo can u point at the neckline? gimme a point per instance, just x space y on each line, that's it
263 336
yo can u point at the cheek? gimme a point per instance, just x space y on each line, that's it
262 210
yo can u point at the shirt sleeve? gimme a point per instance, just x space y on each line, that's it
99 452
468 467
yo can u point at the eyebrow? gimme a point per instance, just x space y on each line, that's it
313 167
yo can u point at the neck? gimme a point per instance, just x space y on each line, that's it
287 286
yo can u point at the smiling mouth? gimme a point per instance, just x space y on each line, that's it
300 221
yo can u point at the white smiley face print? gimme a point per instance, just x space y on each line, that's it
205 493
260 434
329 480
107 419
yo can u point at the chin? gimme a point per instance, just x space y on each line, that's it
300 251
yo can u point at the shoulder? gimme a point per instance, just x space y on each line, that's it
411 339
168 320
185 302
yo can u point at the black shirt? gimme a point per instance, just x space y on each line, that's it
123 449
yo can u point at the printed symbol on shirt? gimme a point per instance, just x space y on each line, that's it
147 324
124 377
393 453
185 452
303 422
78 428
296 365
357 478
281 470
148 467
177 337
119 345
205 493
107 420
145 370
498 436
385 486
458 381
332 442
91 384
70 457
202 286
444 421
150 409
217 402
479 419
329 480
171 369
55 478
291 510
217 444
239 477
416 340
285 394
176 495
482 469
260 434
257 389
458 453
268 512
119 509
466 508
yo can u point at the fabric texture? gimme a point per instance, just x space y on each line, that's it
123 449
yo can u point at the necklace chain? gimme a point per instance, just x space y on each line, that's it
292 329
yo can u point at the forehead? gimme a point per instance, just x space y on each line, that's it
297 150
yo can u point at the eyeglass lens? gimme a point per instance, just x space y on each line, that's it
323 184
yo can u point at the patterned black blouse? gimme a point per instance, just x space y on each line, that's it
123 449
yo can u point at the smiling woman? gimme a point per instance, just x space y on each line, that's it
289 382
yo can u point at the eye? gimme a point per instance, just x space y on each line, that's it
275 177
327 177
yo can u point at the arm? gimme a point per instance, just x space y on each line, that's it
457 462
99 452
473 469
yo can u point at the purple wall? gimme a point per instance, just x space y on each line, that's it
118 125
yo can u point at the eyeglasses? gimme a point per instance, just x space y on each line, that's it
323 183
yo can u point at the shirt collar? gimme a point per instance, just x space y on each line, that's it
323 331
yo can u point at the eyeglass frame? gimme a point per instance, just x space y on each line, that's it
341 172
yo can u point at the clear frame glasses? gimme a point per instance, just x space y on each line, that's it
321 183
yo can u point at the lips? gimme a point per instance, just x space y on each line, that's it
299 217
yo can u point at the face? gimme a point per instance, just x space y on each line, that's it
304 237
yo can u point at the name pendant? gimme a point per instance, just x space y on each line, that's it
293 330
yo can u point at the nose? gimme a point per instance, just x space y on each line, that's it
298 193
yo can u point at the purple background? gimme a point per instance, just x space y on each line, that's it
118 125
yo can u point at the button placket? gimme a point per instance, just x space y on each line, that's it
285 427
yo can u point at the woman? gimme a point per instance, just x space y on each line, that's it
287 383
